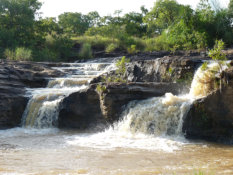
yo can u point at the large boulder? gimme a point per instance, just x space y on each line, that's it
15 77
211 118
80 110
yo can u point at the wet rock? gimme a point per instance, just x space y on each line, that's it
166 69
211 118
15 77
80 110
11 110
115 97
89 108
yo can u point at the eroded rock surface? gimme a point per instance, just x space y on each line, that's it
14 78
211 118
116 96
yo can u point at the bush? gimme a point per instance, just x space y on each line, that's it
58 47
111 48
20 53
98 42
45 55
86 51
132 49
9 54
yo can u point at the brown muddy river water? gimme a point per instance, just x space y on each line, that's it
52 151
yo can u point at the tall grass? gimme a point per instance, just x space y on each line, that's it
97 42
18 54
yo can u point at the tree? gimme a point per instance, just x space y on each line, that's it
47 26
73 23
17 22
94 19
163 14
230 10
133 23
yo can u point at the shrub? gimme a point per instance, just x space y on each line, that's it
86 51
121 66
217 52
132 49
9 54
45 54
97 41
111 48
59 47
22 53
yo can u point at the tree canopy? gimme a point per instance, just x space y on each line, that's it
167 26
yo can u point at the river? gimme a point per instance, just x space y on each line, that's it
148 140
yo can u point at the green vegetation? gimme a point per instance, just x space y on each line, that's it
111 48
20 53
217 54
167 26
101 88
119 75
86 51
204 66
186 78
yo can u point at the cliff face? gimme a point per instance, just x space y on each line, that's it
14 78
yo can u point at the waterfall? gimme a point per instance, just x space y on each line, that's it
43 107
164 115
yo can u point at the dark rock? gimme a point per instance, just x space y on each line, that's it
11 110
15 77
166 69
87 108
116 96
211 118
80 110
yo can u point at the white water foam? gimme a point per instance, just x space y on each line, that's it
153 124
43 108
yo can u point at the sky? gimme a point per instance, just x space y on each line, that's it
53 8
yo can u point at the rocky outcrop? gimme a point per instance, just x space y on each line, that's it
115 97
166 69
88 107
14 78
211 118
80 110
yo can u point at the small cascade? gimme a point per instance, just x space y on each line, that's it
43 108
164 115
157 116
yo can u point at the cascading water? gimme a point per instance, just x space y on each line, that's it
164 115
154 124
43 108
148 140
